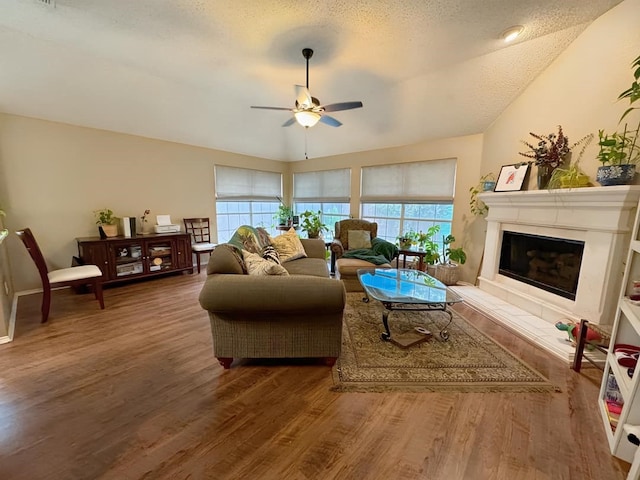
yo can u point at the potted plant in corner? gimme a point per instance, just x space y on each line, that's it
106 220
312 223
447 271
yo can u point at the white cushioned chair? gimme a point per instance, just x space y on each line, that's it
73 276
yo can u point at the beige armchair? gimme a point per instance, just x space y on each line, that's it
346 268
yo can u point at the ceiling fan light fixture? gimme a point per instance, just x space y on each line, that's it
306 118
511 33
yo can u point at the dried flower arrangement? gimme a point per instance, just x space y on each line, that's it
551 149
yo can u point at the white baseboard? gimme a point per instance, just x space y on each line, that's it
14 312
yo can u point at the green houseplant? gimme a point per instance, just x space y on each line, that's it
447 271
284 216
618 154
406 240
106 220
486 184
312 223
633 92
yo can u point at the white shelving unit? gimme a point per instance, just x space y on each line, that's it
626 330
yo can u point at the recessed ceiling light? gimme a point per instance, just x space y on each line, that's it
511 33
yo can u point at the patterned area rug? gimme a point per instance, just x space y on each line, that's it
468 362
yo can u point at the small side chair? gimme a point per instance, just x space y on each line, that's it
200 237
73 276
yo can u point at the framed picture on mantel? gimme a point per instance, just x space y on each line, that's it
511 177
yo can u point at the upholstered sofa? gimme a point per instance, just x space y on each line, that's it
298 314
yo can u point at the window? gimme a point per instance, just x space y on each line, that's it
245 197
328 191
409 196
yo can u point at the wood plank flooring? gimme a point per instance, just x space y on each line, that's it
134 392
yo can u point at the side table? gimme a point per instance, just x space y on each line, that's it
403 253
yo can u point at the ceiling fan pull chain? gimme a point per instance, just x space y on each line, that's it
306 129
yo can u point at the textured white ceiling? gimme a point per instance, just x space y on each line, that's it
188 70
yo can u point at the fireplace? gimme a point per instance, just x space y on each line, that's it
552 264
577 240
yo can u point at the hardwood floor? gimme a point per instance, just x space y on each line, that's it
134 392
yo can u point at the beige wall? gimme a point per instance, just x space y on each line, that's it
578 91
55 175
52 176
467 152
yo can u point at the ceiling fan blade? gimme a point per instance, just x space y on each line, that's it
271 108
289 122
336 107
303 97
330 121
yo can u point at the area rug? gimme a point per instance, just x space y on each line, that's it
468 362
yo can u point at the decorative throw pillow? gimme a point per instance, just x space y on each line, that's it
359 239
289 246
270 253
256 265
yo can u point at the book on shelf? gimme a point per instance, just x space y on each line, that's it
612 391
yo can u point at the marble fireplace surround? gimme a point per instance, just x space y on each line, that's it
601 217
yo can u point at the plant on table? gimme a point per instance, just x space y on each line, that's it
105 217
284 216
427 243
312 223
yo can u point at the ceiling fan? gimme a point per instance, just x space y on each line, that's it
308 110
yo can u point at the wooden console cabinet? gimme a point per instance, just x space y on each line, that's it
126 258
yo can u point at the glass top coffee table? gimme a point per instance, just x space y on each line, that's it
404 289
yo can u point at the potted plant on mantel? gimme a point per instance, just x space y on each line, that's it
550 152
619 152
572 176
486 184
106 220
312 223
447 271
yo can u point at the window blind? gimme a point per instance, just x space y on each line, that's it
324 186
432 181
245 184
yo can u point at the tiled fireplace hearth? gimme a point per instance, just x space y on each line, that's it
599 219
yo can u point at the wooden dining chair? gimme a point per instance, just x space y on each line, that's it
200 237
73 276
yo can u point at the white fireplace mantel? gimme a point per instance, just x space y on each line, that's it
601 217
